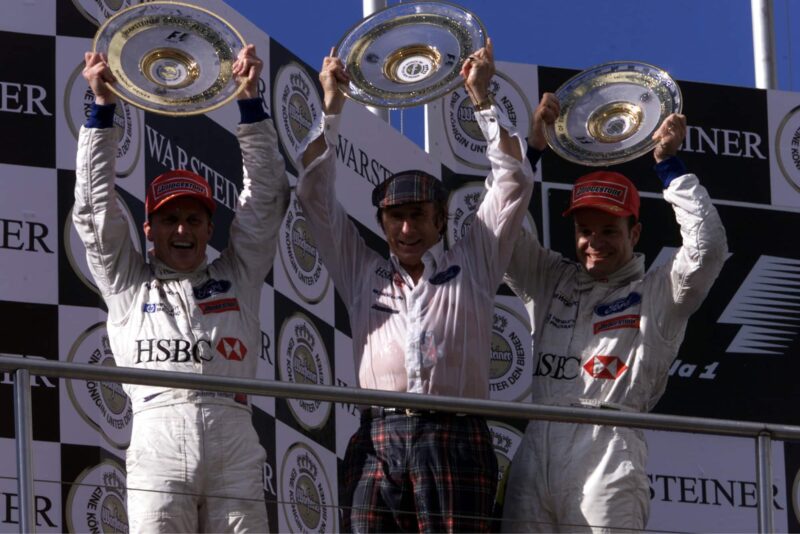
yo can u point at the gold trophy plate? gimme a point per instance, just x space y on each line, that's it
171 58
609 112
408 54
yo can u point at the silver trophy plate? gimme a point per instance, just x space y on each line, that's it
408 54
171 58
609 112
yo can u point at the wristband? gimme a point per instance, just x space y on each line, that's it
484 105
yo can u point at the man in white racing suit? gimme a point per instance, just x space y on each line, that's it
605 335
194 462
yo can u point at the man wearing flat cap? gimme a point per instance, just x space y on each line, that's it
195 462
421 322
605 335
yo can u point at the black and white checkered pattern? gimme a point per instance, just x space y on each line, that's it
736 361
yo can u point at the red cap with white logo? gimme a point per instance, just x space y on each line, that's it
175 184
605 190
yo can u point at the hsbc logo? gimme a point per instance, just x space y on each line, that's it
231 349
766 306
558 367
172 350
606 367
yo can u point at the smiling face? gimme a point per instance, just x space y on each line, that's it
411 229
604 242
180 231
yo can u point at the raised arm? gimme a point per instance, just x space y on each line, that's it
265 188
509 186
341 247
530 260
704 246
101 224
477 71
331 75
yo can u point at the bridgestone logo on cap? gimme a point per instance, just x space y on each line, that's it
178 185
605 190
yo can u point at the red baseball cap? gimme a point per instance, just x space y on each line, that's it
607 191
175 184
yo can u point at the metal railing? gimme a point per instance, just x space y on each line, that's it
763 433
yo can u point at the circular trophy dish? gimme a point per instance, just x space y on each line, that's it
408 54
609 112
171 58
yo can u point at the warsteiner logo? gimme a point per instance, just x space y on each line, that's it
510 369
505 439
787 148
78 99
300 256
306 491
304 360
96 500
463 133
297 106
104 405
462 206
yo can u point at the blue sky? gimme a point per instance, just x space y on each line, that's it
698 40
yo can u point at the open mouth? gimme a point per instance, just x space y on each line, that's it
410 244
183 245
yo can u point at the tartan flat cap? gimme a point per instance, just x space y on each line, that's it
408 186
